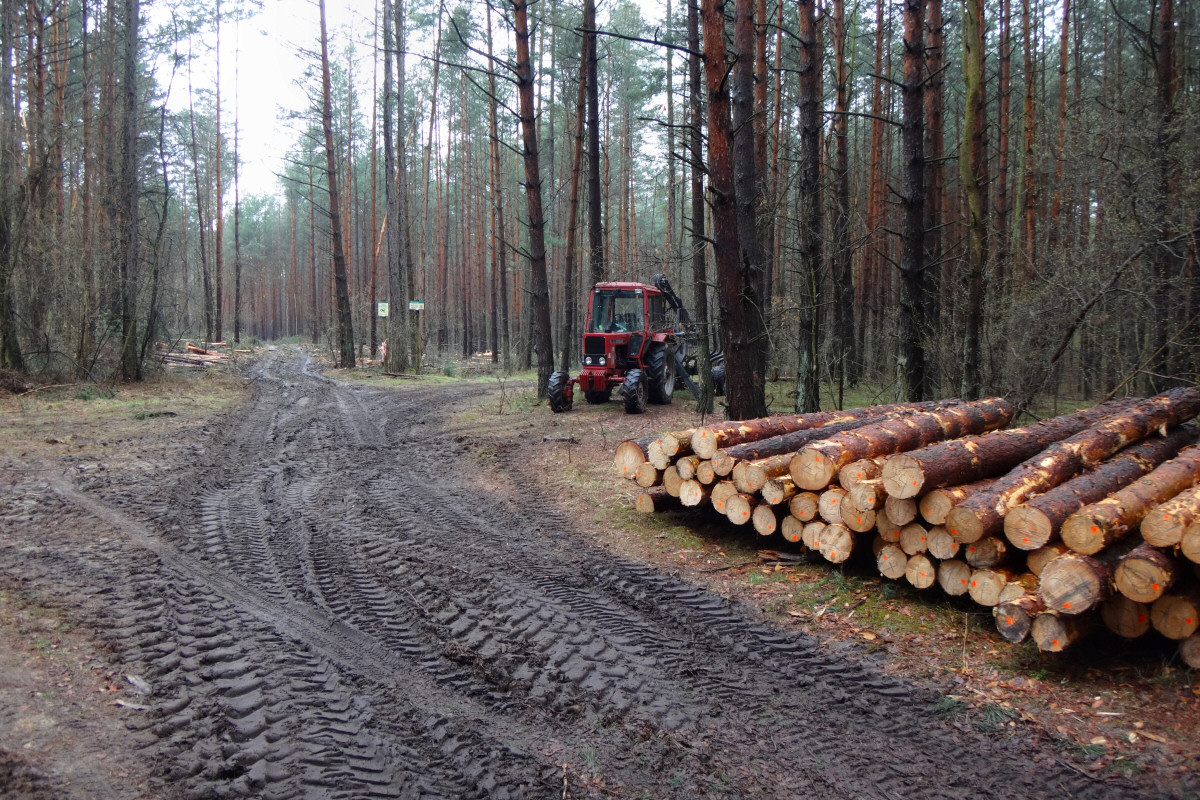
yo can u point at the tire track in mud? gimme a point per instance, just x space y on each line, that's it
343 610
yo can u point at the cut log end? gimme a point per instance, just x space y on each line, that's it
812 470
1176 616
765 519
985 586
804 506
1072 584
628 457
692 493
903 477
890 559
1014 618
647 475
1189 651
964 525
1124 617
1144 574
954 577
653 501
739 508
920 571
836 543
1027 528
1085 534
791 529
1189 545
1054 633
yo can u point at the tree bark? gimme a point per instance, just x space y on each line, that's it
974 173
533 196
1164 525
130 217
704 404
914 327
345 327
808 295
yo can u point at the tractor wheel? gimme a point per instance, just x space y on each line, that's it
633 393
557 392
598 397
660 376
718 377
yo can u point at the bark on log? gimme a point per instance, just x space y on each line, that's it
1176 616
900 510
890 559
836 543
804 506
739 508
816 465
1014 618
707 440
973 458
671 481
941 544
1145 573
1163 525
868 495
1124 617
654 500
778 491
1053 632
1018 587
914 538
1098 525
865 469
1189 545
829 505
1038 559
983 514
630 454
1035 522
791 528
727 458
647 475
987 553
920 571
721 492
954 577
936 505
693 493
767 518
1189 651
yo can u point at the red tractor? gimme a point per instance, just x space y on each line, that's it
636 337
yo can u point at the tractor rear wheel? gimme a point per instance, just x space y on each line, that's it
660 375
633 392
598 396
557 392
718 376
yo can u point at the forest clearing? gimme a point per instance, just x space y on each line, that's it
289 291
355 586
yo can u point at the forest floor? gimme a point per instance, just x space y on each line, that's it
284 581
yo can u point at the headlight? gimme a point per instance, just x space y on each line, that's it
587 360
602 361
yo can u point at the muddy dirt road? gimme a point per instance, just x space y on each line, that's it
332 596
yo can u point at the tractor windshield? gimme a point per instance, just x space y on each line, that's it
617 311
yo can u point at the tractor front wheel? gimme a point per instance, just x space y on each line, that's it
660 375
633 392
558 392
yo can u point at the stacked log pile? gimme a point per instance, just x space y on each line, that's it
193 356
1084 520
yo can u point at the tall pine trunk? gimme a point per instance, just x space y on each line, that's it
808 376
913 325
345 325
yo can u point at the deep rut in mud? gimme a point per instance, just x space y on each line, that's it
333 598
